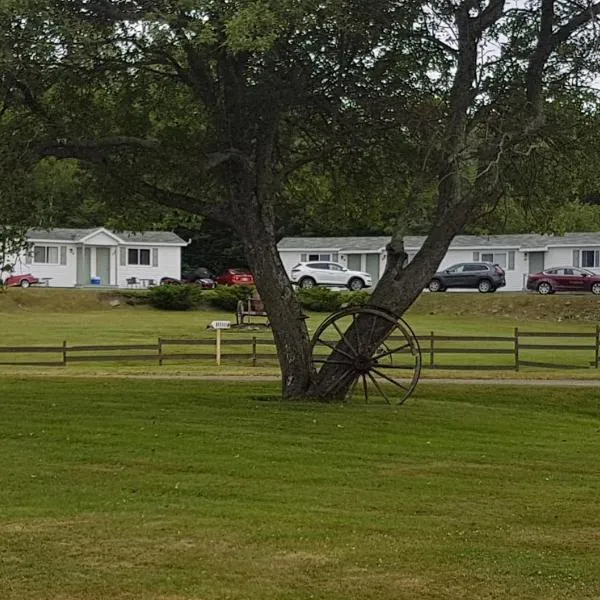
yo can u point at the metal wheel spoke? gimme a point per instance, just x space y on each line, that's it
393 351
379 388
365 387
334 347
352 390
343 338
394 381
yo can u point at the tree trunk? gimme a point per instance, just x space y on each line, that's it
396 291
287 319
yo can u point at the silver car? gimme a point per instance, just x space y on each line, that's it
310 274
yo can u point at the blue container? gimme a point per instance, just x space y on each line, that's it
95 280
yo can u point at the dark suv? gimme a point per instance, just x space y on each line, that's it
484 277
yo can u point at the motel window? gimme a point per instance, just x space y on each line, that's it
318 257
138 256
45 255
505 259
590 259
497 258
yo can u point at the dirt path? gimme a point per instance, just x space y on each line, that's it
585 383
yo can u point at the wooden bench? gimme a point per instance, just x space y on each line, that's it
252 307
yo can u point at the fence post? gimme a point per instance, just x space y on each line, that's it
218 348
516 348
431 350
253 351
597 345
64 352
160 349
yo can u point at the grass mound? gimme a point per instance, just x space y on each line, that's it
517 306
54 300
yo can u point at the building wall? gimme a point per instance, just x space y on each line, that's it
58 275
289 258
169 265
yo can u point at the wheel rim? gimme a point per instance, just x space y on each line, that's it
355 285
25 283
307 284
434 286
596 289
484 286
388 369
544 288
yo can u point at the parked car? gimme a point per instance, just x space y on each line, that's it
202 276
206 283
564 279
482 276
310 274
170 281
23 281
235 277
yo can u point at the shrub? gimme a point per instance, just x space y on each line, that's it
174 297
356 298
321 299
226 298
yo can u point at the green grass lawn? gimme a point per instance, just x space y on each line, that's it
118 489
49 317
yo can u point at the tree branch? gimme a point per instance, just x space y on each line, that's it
547 43
488 17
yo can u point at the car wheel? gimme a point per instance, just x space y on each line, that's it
24 283
484 286
435 285
307 283
356 284
596 289
544 288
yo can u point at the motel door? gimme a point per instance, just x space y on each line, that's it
373 267
536 262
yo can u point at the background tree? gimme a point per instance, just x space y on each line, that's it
215 106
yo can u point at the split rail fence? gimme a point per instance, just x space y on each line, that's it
554 350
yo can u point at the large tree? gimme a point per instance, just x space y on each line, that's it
214 106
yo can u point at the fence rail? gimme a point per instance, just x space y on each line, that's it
456 351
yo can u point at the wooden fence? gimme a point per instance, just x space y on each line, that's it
443 352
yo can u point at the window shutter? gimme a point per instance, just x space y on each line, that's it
63 255
597 259
511 260
575 258
476 256
122 256
155 257
303 258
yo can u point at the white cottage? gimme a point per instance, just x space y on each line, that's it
97 256
518 254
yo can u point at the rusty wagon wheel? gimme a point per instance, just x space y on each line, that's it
370 345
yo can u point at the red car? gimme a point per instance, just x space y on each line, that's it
23 281
235 277
564 279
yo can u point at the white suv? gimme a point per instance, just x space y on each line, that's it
309 274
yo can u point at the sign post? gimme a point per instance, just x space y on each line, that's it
219 325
